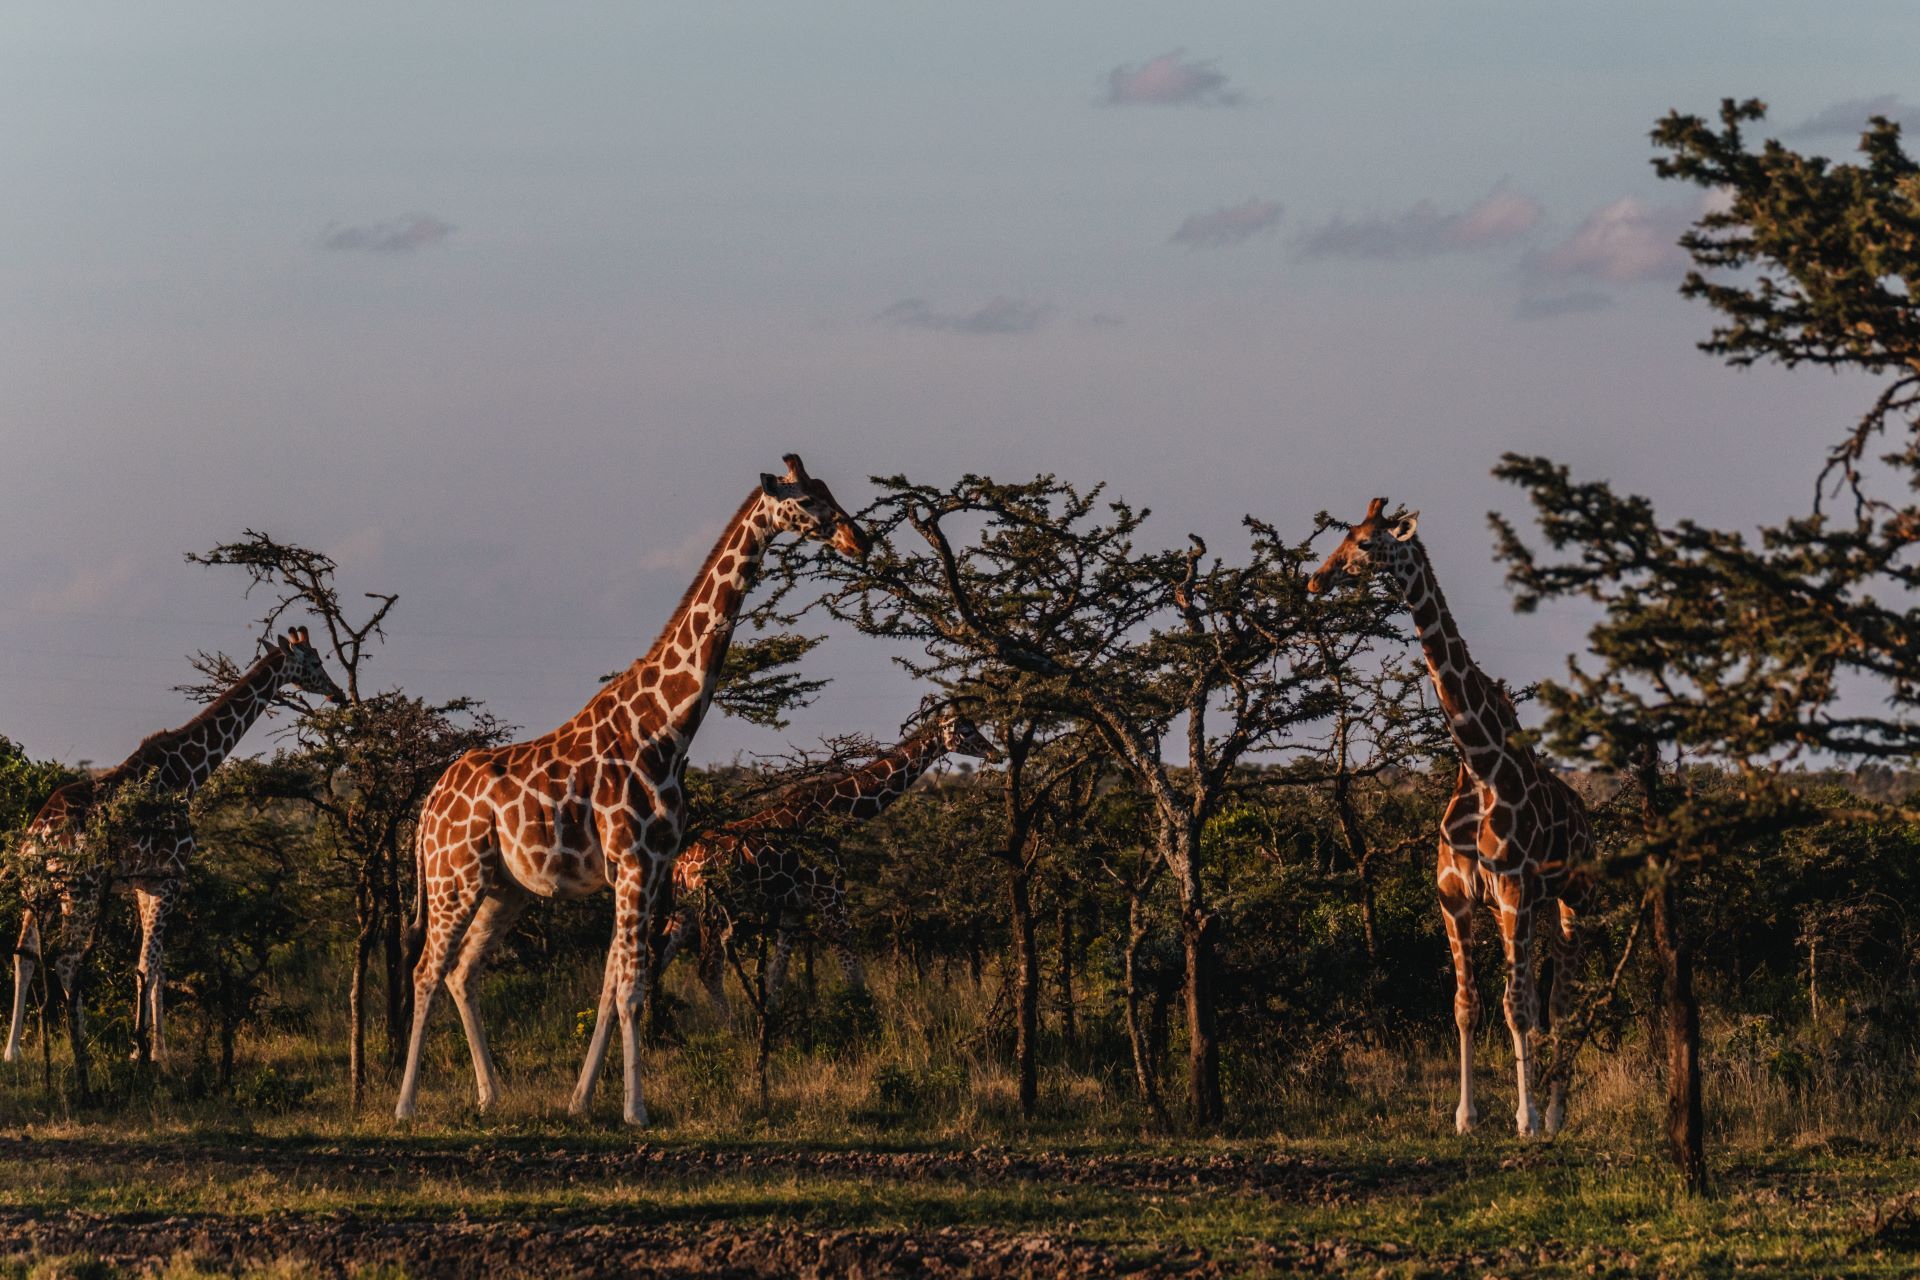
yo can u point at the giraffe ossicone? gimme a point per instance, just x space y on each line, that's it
599 801
174 762
762 859
1514 836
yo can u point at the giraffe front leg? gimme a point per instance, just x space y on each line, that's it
26 956
838 928
1456 909
154 900
597 1045
1569 951
632 917
785 930
1516 934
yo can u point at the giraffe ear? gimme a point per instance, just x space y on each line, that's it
770 484
1404 527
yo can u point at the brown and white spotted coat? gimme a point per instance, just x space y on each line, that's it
1514 836
761 860
599 801
179 760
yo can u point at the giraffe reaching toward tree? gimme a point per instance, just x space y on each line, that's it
759 859
599 801
177 761
1514 836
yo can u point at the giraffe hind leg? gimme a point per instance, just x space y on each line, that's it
26 957
446 926
493 921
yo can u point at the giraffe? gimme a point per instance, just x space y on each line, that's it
756 858
1514 836
599 800
179 761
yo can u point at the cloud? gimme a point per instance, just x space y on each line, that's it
1170 81
1224 227
1626 240
1849 118
89 588
1001 315
400 235
688 553
1503 216
1579 302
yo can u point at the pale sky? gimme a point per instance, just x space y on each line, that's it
506 307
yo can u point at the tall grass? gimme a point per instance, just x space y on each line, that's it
911 1064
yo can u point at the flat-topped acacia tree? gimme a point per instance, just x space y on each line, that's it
1183 666
1752 650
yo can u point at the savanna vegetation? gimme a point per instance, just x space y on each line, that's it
1164 988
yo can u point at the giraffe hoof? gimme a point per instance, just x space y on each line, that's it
1556 1120
1528 1123
1464 1119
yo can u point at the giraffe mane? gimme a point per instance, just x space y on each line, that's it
168 737
687 596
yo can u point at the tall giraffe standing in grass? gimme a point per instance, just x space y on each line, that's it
1514 836
598 801
759 859
177 762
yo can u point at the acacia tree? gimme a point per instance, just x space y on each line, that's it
1159 653
363 768
1752 652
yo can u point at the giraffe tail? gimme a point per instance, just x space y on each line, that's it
416 939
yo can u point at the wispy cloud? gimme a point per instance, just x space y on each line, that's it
89 588
1001 315
1849 118
687 553
1579 302
399 235
1503 217
1623 241
1171 80
1225 227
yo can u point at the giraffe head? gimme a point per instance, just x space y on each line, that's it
960 736
1374 545
304 670
806 506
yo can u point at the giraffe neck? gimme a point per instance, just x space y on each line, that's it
187 756
1479 716
875 785
661 699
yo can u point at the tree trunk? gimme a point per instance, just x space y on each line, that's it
1136 1036
229 1031
357 998
1199 931
1026 986
1069 1032
1685 1115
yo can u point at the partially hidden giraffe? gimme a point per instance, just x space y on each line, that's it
598 801
760 861
178 762
1514 837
